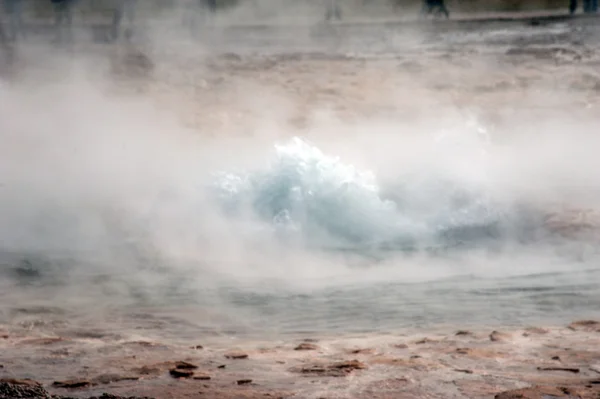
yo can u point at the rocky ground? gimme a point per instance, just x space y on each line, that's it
532 362
405 74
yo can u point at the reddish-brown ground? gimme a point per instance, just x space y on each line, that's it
562 362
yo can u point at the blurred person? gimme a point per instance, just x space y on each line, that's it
124 9
589 6
63 19
3 37
333 10
14 11
435 7
198 13
211 5
572 6
7 54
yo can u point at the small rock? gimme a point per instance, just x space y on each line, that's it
13 388
466 371
479 353
236 355
363 351
400 346
585 325
556 358
72 384
569 369
535 331
185 366
198 347
222 366
425 341
339 369
349 365
539 392
462 333
497 336
305 346
244 382
109 378
24 382
203 377
181 373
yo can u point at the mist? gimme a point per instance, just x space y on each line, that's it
107 181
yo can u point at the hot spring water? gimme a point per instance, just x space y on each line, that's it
304 192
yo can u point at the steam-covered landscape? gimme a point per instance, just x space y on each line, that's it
258 203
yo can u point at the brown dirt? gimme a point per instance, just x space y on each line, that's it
558 361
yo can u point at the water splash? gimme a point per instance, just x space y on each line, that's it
327 202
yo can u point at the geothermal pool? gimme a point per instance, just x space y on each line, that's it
259 184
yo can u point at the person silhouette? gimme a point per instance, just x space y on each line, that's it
14 11
434 7
63 19
589 6
123 9
333 10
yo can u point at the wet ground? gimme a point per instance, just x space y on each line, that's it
531 362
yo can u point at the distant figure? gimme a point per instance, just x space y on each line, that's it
572 6
123 9
7 54
434 7
333 10
198 13
63 19
589 6
14 11
211 5
4 43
